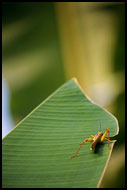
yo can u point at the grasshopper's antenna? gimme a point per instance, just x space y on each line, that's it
100 125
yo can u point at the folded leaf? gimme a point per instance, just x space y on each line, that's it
36 153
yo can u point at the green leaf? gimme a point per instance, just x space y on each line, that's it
36 154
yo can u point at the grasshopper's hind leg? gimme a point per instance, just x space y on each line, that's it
89 140
104 137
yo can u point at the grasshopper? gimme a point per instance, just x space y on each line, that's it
98 138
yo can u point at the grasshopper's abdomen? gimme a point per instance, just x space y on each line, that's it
96 140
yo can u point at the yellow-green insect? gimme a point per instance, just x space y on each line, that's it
98 138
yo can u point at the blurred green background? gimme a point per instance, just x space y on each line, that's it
46 44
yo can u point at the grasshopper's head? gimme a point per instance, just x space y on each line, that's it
100 134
